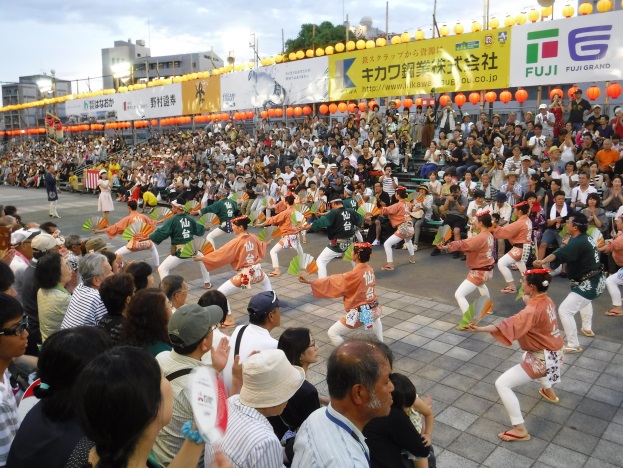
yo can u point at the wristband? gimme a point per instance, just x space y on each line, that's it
192 434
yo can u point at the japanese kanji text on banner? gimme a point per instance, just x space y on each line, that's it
573 50
466 62
199 96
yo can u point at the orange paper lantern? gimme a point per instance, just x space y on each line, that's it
333 108
444 99
593 92
408 102
362 106
264 114
290 111
154 122
298 111
271 112
350 107
323 109
491 96
307 110
278 112
341 107
459 99
250 114
571 92
506 96
555 91
613 90
372 103
474 98
418 102
521 95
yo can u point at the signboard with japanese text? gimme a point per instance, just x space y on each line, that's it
290 84
464 62
201 96
571 50
148 103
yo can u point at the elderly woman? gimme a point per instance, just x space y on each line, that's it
52 273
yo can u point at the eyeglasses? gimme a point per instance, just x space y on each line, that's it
17 329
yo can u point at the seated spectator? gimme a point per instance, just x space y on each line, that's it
50 431
142 273
301 350
360 390
264 315
116 292
7 279
191 335
176 290
389 437
52 274
86 306
129 380
268 382
13 343
146 319
217 298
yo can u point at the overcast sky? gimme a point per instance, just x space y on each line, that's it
68 36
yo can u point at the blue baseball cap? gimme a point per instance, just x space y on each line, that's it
263 303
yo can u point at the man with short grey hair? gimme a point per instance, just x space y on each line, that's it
86 306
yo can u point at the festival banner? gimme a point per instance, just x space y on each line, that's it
201 96
571 50
463 62
148 103
291 83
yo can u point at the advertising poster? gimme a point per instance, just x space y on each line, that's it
201 96
291 83
571 50
464 62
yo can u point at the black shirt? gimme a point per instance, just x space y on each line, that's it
387 437
577 110
113 326
304 402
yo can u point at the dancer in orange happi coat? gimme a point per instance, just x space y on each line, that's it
536 330
244 253
121 225
399 215
519 234
479 252
357 289
289 232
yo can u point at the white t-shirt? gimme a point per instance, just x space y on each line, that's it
9 422
254 338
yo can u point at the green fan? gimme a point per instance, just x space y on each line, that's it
297 218
94 222
317 207
303 261
136 228
198 245
348 254
476 311
191 205
161 212
444 234
519 292
208 219
257 215
269 232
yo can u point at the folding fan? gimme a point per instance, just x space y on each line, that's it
195 246
519 292
303 262
476 311
297 218
317 207
161 212
444 234
94 222
139 228
192 205
348 254
366 208
239 196
269 232
268 201
209 219
257 215
304 210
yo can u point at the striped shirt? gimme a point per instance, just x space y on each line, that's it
249 441
8 418
170 437
321 442
86 308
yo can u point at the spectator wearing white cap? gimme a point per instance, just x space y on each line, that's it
546 119
21 241
268 382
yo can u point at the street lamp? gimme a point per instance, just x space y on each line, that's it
48 85
121 72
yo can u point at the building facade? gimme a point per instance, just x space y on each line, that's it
122 52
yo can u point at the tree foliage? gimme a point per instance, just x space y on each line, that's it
325 34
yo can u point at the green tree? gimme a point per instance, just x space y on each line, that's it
324 34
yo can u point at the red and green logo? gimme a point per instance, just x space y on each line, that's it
543 47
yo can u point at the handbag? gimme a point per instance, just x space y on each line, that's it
405 230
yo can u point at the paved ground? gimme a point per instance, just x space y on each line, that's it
457 370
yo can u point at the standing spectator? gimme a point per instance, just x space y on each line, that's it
86 306
52 274
50 188
21 241
578 108
546 119
13 342
360 390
